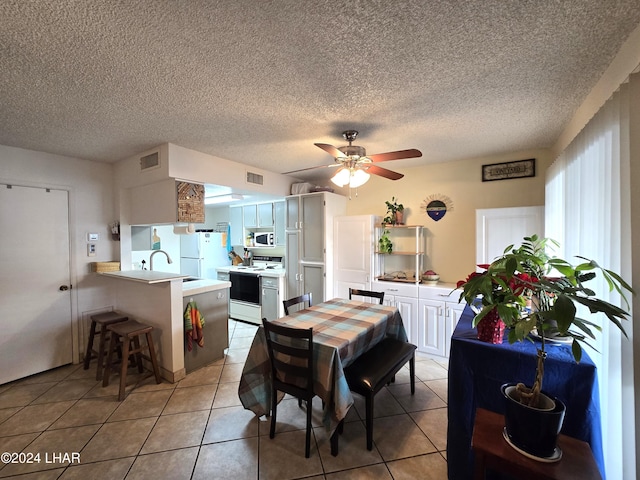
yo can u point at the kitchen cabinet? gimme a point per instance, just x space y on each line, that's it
439 312
214 306
312 279
250 216
279 223
405 298
236 225
265 215
309 243
167 201
429 313
292 264
271 298
258 218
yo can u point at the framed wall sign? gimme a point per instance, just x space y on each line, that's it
504 171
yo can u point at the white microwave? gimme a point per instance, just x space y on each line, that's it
264 239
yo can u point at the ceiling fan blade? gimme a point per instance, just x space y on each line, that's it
383 172
400 154
313 168
330 149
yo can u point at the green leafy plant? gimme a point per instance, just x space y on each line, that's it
384 242
393 207
518 284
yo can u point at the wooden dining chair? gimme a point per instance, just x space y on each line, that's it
291 356
366 293
307 297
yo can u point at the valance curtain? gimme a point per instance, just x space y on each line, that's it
587 209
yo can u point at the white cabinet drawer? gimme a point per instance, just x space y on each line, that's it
395 288
445 293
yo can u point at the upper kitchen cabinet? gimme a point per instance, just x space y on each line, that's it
250 216
236 225
279 227
265 215
167 201
258 218
313 215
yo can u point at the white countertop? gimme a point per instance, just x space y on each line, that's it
193 287
144 276
202 286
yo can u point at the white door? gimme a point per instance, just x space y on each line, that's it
35 306
353 250
497 228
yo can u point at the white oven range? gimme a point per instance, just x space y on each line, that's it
251 296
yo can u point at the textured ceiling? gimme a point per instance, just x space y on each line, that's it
259 81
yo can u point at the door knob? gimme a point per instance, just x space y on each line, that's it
63 288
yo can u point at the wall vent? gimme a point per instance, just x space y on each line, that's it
150 161
255 178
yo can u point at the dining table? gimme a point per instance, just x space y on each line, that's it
342 331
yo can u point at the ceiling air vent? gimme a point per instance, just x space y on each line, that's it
150 161
255 178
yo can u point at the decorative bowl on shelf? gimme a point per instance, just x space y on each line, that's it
430 278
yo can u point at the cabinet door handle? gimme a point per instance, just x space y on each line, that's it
300 277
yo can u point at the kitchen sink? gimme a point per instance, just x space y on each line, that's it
190 279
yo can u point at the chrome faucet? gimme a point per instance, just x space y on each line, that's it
158 251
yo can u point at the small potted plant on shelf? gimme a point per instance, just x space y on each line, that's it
535 295
395 213
384 242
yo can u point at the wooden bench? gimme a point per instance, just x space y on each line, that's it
376 368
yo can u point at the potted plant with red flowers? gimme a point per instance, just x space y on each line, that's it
536 294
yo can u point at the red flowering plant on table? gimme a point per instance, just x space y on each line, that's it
495 291
518 287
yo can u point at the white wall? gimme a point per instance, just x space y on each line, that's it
451 241
91 209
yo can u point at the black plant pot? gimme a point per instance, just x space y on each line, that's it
533 430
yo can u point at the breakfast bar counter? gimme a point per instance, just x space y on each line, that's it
156 299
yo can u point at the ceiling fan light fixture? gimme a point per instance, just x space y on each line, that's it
341 178
353 177
358 178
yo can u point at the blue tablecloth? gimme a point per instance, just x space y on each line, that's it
478 369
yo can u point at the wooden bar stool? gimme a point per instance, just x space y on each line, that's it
122 335
104 320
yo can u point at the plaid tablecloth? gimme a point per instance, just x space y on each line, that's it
342 330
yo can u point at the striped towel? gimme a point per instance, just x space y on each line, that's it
193 325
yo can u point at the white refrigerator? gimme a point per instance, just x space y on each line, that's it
201 253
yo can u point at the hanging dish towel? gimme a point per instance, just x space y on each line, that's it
193 325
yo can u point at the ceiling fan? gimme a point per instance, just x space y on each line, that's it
355 165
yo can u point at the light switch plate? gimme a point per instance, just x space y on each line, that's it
91 249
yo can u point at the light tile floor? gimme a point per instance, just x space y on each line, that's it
197 428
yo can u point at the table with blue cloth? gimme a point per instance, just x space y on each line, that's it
478 369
